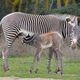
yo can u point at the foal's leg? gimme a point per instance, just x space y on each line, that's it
58 56
35 60
49 59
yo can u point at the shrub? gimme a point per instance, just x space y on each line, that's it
71 9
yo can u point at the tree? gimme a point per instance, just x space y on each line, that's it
6 3
47 4
66 2
51 4
58 3
36 4
16 5
73 1
20 4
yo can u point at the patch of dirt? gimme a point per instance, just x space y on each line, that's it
15 78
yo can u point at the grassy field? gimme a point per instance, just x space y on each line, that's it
19 67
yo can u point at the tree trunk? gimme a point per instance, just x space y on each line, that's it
73 1
47 4
36 4
58 3
20 4
66 2
28 3
14 4
51 4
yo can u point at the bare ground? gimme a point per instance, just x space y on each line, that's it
15 78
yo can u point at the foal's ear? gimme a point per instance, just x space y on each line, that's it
78 21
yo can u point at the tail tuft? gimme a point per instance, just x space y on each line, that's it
0 24
1 29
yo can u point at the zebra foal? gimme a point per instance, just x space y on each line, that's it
51 40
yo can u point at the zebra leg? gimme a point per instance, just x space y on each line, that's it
5 59
49 59
6 49
58 56
35 61
38 58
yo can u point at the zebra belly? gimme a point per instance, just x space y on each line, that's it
44 46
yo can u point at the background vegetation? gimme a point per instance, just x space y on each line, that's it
40 6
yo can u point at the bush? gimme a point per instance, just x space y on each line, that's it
71 9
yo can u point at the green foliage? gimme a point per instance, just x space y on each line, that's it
37 7
71 9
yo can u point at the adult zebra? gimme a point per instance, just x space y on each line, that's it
38 24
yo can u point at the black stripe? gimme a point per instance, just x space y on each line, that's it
28 39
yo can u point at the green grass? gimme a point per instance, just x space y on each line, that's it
19 67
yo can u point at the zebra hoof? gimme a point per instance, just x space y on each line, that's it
49 71
36 71
6 69
30 71
58 72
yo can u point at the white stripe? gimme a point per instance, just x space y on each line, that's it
26 32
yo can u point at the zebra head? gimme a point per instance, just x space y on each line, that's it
67 28
74 31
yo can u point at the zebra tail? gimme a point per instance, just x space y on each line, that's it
1 31
0 24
